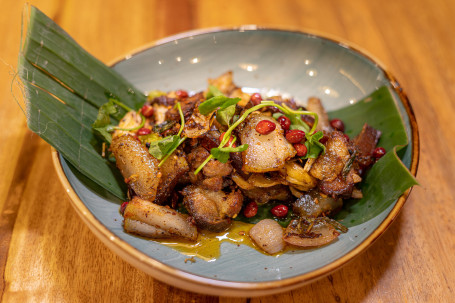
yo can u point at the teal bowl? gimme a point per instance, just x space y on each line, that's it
271 61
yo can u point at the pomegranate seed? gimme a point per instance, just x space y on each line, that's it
181 94
279 211
301 149
295 136
250 210
284 122
229 142
337 124
122 207
379 152
143 131
147 110
265 127
256 98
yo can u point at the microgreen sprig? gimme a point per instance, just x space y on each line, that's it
163 148
102 123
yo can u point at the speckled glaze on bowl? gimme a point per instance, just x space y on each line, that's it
271 61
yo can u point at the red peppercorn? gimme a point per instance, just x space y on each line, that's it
229 141
295 136
147 110
181 94
265 127
324 139
123 206
347 137
256 98
143 131
279 211
251 209
379 152
285 122
301 149
337 124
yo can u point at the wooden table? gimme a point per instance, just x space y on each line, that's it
47 254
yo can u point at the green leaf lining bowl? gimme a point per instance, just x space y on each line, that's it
267 60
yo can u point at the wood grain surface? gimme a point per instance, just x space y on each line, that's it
47 254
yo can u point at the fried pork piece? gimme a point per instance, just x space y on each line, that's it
313 204
265 153
329 165
212 210
171 171
188 105
265 194
137 165
310 234
268 235
151 220
131 120
197 125
211 176
365 143
315 105
341 185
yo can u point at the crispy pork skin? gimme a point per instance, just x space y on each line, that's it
265 152
161 220
171 171
137 165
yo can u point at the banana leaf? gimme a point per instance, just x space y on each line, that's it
389 177
65 86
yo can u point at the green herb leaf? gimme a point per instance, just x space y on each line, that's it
163 148
213 92
102 123
224 116
314 147
222 153
217 102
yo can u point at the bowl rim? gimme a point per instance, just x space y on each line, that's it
195 283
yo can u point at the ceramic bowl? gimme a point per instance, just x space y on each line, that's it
270 60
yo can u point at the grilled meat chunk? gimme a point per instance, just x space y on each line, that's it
309 234
315 105
138 167
188 105
366 142
171 171
329 165
265 194
212 210
341 185
313 204
265 152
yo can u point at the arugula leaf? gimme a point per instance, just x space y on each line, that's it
222 153
217 102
